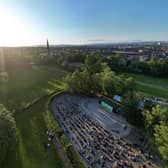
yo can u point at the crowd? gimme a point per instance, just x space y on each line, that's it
98 147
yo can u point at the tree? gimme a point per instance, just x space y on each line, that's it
90 60
124 85
106 81
113 61
131 109
7 132
154 117
156 122
161 140
102 80
158 67
142 67
81 82
92 63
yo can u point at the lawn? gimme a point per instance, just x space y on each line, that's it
27 84
23 87
152 86
30 151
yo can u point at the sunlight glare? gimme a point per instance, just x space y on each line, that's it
12 30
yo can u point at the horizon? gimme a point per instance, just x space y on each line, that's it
90 43
64 22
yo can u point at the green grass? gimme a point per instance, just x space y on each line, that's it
152 86
24 86
153 91
30 151
150 80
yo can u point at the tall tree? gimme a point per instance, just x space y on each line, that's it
161 140
156 122
156 116
131 109
81 82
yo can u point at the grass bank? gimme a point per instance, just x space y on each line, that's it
30 150
23 87
27 84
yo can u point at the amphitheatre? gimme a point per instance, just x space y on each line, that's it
102 138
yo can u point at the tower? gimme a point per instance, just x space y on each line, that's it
48 48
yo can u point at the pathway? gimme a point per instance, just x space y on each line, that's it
62 153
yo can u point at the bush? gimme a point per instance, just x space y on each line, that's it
64 141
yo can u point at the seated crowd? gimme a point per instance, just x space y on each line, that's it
97 146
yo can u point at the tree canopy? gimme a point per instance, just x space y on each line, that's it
156 122
81 83
131 109
105 81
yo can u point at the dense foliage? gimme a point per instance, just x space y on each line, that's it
110 83
131 108
98 77
157 125
7 132
154 66
81 82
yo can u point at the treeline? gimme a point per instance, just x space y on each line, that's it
156 124
59 56
65 57
154 66
24 56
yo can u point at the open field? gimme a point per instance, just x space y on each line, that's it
152 86
23 87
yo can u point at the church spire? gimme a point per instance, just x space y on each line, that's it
48 48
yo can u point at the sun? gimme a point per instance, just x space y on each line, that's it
13 31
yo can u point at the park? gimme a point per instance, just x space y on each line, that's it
83 84
29 89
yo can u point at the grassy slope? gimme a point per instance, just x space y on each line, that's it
23 87
151 85
26 84
32 136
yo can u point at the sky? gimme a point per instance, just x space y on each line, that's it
31 22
